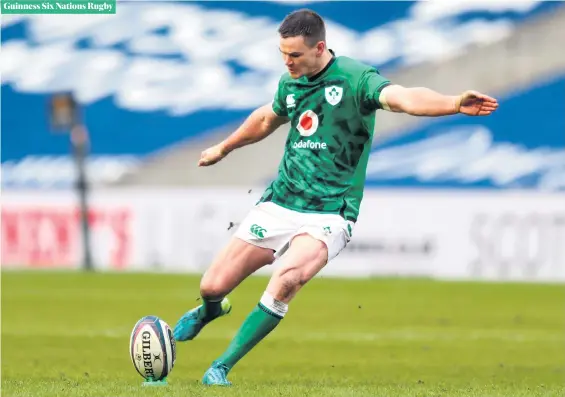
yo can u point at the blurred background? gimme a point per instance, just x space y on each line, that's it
146 90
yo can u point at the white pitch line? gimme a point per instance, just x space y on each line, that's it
394 335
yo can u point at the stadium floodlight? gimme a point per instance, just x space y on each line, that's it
65 117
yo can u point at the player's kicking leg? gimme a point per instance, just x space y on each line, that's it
233 264
251 248
306 256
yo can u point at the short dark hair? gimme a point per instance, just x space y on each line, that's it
305 23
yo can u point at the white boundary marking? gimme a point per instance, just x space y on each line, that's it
402 334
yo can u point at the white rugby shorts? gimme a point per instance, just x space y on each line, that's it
269 225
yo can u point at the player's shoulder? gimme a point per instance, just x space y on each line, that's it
285 78
353 67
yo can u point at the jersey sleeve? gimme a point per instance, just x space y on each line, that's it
369 89
279 104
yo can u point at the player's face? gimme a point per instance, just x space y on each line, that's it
299 58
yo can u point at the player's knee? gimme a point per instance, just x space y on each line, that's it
298 274
212 287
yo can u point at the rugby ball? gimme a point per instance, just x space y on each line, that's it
152 348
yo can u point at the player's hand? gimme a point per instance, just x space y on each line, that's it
473 103
212 155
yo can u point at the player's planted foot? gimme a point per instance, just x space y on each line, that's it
216 375
192 322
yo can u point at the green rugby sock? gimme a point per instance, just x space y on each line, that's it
260 322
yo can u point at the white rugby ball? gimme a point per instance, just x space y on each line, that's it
152 348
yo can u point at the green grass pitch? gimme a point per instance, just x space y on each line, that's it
67 334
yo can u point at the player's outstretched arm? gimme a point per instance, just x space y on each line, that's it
260 124
420 101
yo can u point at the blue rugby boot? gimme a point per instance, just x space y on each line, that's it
192 322
216 375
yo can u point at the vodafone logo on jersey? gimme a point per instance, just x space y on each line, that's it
307 123
307 126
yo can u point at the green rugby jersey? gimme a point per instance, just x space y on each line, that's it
332 118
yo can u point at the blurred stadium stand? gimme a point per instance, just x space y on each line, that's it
138 138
